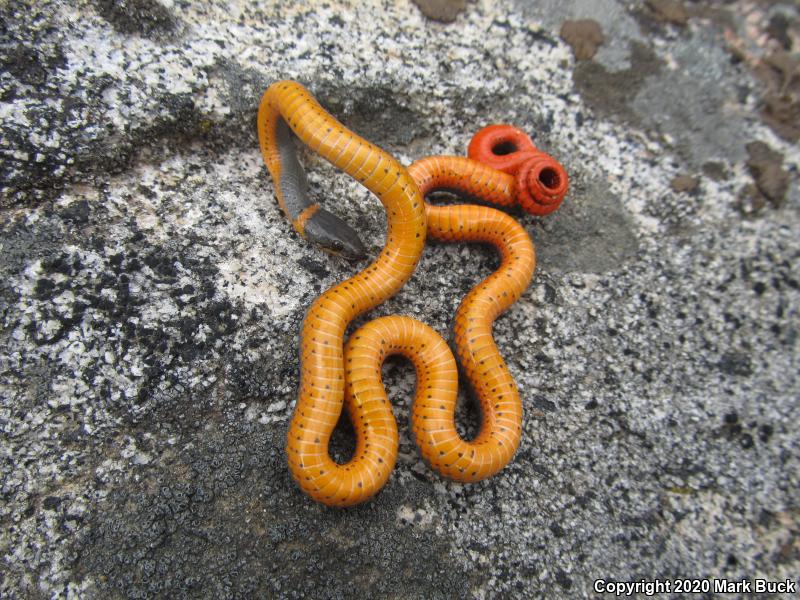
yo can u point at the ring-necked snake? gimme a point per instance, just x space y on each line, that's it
333 374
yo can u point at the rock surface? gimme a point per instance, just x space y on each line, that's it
152 294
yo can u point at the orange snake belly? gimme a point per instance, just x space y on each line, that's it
333 375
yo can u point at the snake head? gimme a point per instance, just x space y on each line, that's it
334 235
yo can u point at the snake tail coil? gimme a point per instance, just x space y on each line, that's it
541 181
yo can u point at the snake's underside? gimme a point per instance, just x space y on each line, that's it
332 374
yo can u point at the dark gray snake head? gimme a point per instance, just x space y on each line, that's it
334 235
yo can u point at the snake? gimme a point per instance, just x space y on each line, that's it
336 375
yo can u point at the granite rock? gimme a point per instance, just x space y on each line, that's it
152 292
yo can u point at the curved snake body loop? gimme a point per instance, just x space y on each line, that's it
332 376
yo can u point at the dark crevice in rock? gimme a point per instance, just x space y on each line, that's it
584 37
444 11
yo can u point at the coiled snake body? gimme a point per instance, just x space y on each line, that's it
332 374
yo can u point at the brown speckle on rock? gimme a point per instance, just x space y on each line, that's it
782 114
671 11
766 167
715 170
779 73
444 11
684 183
750 201
583 36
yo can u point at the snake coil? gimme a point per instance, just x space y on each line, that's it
334 374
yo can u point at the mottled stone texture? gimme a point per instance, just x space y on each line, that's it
151 294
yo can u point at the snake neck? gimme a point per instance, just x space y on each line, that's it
375 169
